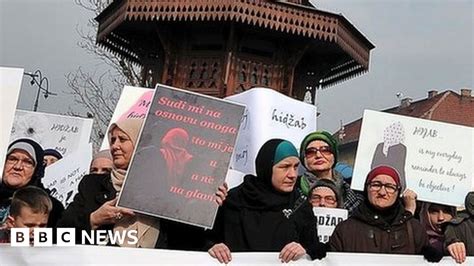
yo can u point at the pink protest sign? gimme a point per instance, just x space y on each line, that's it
139 108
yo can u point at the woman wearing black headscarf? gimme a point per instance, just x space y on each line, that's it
24 167
265 213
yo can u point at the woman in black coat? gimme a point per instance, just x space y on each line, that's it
266 213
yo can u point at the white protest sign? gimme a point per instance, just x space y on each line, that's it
10 85
63 177
62 133
327 219
269 114
434 159
99 255
133 103
234 178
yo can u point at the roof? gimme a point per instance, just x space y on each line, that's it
278 16
447 106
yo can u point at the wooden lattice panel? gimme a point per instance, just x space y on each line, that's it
251 74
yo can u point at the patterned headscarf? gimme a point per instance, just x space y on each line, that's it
393 135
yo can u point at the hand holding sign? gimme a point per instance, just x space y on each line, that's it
108 214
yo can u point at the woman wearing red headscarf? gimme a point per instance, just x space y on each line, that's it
173 149
381 224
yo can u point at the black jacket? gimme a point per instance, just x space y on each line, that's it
263 227
93 191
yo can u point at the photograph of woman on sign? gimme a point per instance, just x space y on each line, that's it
174 152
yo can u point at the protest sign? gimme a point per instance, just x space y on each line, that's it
327 219
62 133
182 156
269 114
133 103
63 177
234 178
10 85
434 159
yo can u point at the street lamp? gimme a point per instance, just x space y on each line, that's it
38 79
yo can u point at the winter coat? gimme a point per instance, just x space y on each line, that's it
263 227
366 231
461 229
93 191
256 217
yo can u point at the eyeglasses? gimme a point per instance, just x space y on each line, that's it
376 186
26 163
324 150
327 199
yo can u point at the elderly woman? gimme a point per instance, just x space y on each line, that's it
318 154
324 193
24 167
265 213
51 156
94 205
102 163
381 224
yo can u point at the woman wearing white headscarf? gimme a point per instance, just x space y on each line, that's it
94 207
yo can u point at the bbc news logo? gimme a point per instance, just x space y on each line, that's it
43 237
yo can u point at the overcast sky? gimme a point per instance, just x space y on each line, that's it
420 45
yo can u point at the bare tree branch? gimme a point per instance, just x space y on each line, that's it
98 91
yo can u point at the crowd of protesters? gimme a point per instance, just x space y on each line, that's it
270 211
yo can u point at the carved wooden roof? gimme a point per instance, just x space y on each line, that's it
278 16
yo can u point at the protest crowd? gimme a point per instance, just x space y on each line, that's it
193 135
270 211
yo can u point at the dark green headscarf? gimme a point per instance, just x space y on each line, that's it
319 135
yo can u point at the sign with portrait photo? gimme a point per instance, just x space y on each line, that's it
434 159
182 156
